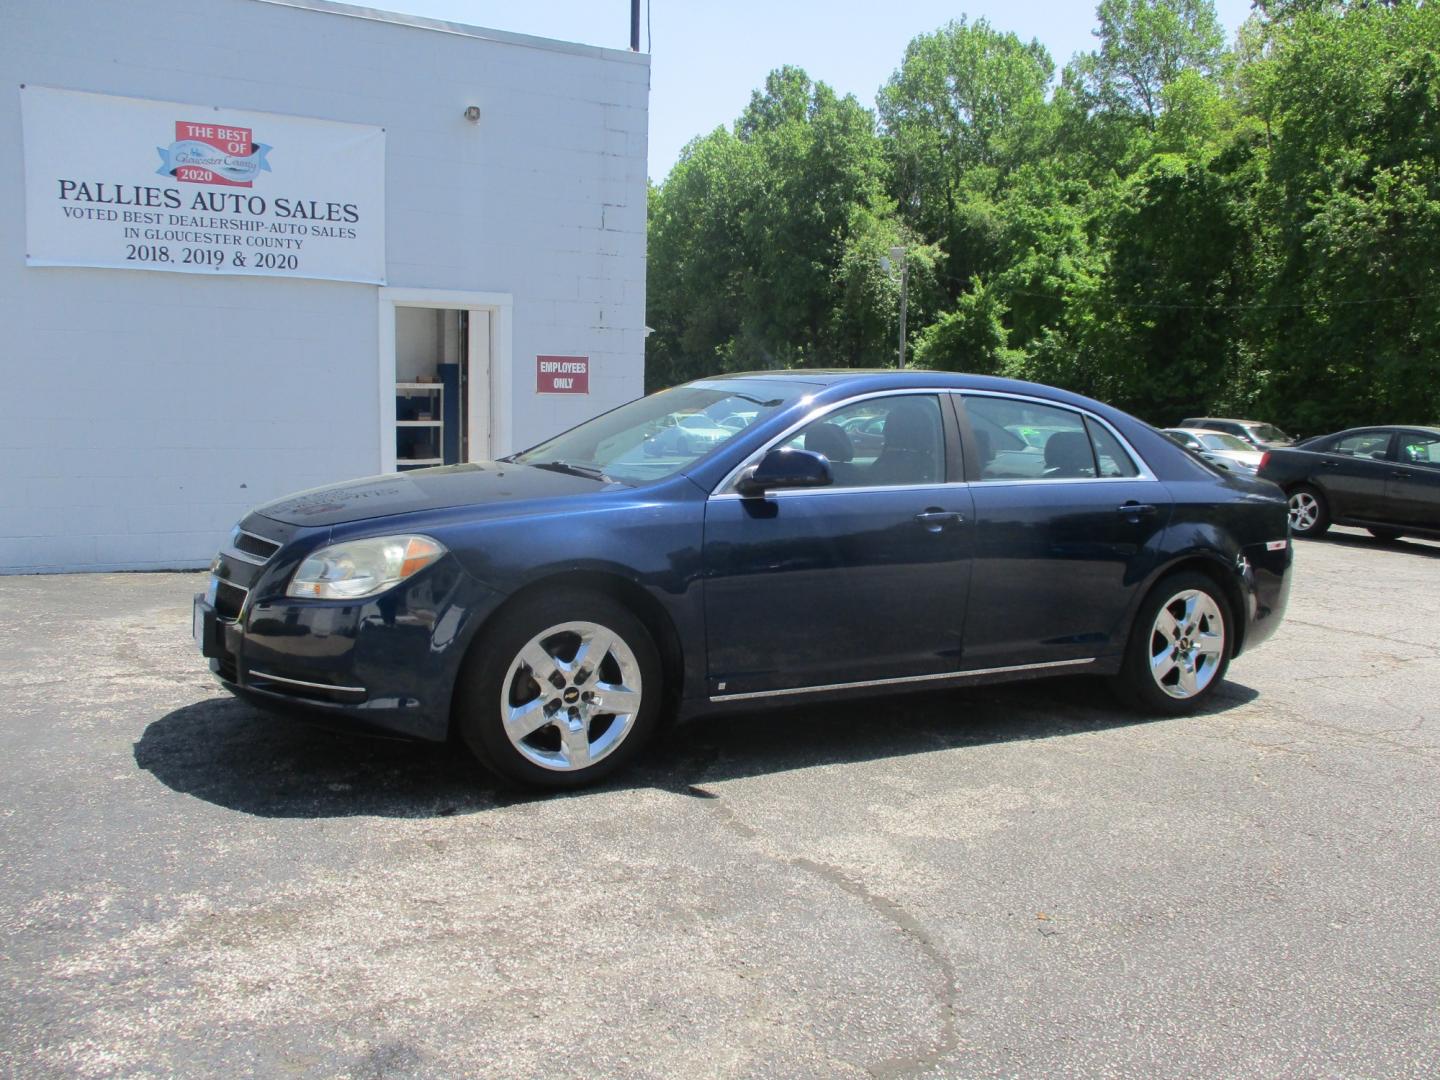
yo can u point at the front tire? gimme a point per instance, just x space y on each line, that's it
561 692
1309 515
1179 647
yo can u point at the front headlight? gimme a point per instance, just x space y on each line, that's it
360 568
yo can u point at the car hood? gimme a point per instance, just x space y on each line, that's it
489 482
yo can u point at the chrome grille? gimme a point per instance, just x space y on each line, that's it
248 543
242 562
229 599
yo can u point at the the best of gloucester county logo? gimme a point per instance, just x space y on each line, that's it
213 154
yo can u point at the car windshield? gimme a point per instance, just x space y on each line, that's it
1268 433
1219 440
656 436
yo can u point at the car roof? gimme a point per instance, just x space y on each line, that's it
1221 420
1426 428
1198 431
867 379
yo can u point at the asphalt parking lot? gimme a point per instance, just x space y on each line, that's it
1021 881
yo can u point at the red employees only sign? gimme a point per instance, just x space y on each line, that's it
562 374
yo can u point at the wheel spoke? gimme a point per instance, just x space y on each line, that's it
594 647
1166 626
1161 664
542 665
1188 685
524 720
1210 644
616 699
575 744
1192 602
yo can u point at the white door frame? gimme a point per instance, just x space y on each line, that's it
495 382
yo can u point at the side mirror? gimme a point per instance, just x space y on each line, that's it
785 468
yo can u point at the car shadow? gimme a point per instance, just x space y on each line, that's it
1359 539
232 755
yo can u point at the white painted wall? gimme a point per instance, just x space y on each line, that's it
121 448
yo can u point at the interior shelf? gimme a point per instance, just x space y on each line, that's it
419 424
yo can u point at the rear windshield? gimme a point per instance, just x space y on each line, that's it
1219 440
1268 433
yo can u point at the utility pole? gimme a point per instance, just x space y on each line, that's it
897 253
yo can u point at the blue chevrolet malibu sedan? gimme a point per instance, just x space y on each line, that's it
743 541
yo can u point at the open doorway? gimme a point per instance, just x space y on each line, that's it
437 375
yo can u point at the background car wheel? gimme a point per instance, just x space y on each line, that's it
1179 647
1384 534
562 691
1309 516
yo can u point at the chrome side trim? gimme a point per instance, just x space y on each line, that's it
255 674
1013 481
904 679
795 493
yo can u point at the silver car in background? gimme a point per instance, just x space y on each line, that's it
1220 449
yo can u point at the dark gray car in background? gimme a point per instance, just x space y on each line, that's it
1385 479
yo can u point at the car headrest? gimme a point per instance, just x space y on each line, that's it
830 440
911 426
1069 451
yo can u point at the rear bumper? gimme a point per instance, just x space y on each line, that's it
387 664
1264 573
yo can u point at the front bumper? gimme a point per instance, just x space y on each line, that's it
388 663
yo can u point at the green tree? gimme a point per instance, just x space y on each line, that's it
1352 97
765 240
1145 45
965 109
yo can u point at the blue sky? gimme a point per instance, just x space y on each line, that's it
707 57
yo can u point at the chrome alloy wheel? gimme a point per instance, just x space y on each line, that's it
1304 511
571 696
1187 643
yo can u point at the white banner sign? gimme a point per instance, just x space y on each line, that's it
155 185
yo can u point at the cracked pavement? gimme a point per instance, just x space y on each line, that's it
1004 881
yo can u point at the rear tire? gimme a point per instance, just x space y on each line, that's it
563 690
1386 535
1179 647
1309 514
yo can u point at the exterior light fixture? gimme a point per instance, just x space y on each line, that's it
472 113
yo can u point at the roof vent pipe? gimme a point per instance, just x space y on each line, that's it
634 25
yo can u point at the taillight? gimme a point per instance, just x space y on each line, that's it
1264 460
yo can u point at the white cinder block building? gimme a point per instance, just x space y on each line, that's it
252 246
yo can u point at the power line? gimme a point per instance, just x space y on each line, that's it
1156 305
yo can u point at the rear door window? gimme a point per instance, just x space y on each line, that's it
1110 457
1364 444
1417 448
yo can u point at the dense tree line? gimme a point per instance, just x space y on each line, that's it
1171 225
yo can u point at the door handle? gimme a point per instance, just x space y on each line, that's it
1135 509
935 520
1329 464
1401 473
